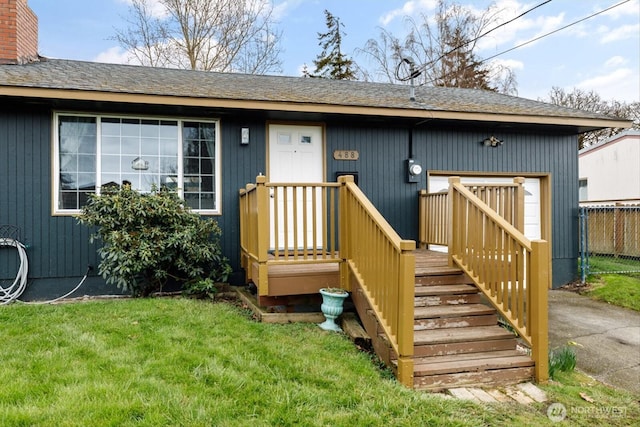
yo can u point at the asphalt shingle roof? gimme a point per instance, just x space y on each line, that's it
128 79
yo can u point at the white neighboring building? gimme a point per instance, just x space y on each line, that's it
610 170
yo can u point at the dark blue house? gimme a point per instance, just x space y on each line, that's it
69 127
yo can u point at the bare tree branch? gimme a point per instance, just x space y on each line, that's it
445 45
591 101
209 35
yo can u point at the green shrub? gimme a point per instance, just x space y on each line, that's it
150 239
202 289
561 359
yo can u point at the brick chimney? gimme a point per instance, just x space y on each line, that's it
18 32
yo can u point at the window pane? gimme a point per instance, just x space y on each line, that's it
86 163
168 146
138 161
110 145
206 183
76 160
110 126
130 145
199 146
150 128
191 148
169 129
141 152
149 146
130 127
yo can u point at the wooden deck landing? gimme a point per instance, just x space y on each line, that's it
293 280
432 263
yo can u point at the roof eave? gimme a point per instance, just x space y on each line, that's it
583 124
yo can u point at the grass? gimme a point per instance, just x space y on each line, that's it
618 289
561 359
602 264
180 362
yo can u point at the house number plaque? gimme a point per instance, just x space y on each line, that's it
346 155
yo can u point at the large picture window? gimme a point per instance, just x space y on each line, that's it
95 152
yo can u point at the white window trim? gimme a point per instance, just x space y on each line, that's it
55 171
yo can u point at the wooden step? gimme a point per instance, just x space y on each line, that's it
472 369
444 276
452 310
431 300
440 290
489 378
454 316
465 347
460 335
469 362
455 322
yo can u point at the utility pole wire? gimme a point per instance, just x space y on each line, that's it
556 30
460 46
547 34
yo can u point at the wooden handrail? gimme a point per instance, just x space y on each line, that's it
384 266
294 223
509 269
507 199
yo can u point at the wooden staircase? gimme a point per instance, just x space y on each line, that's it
457 339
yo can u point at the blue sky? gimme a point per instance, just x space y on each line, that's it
600 54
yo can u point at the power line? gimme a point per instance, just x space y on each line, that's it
555 31
545 35
460 46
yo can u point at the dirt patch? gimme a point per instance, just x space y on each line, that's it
577 287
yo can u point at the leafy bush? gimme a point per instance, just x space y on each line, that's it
149 239
203 289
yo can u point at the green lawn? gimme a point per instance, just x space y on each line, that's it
179 362
599 264
618 289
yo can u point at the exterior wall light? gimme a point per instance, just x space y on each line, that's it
244 136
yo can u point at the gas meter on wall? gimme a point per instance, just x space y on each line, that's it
414 170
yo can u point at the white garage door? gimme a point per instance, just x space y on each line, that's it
531 197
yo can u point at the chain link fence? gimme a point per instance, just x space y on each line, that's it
609 239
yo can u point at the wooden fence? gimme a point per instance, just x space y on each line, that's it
613 230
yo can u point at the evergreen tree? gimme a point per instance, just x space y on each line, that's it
332 63
459 66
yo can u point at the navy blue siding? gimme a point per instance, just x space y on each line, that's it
382 173
57 246
59 249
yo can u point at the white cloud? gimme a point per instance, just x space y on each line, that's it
284 8
408 9
508 63
155 7
621 33
520 30
615 61
620 85
113 55
631 8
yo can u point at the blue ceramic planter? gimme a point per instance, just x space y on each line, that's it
331 308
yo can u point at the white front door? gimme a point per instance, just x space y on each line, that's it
296 156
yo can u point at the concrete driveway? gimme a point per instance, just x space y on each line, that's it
609 335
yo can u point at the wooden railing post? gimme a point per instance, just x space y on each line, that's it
518 220
452 213
344 246
244 260
538 300
406 284
263 221
422 218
